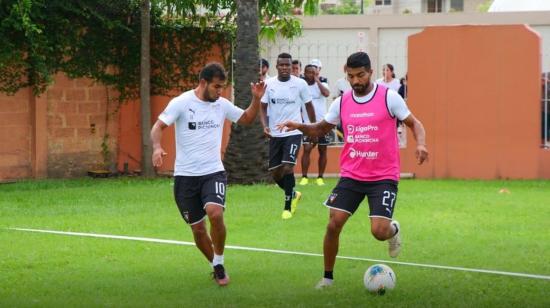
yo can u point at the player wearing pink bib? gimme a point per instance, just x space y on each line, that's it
369 162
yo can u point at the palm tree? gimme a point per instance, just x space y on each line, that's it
246 155
146 149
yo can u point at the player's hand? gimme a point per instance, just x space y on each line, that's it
258 89
287 126
267 132
158 153
421 154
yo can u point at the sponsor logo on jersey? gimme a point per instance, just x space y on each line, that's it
362 115
362 154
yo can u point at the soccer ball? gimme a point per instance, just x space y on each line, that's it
379 278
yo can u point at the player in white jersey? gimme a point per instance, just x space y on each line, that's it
283 99
319 92
199 176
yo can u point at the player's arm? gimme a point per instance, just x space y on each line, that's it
419 134
249 115
313 130
156 136
324 90
310 112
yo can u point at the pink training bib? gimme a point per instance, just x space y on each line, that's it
371 149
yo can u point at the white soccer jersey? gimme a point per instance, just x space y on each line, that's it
285 100
396 106
199 128
394 84
319 103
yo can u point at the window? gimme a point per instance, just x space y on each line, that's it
435 6
382 2
457 6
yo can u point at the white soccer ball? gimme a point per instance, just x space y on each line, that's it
379 278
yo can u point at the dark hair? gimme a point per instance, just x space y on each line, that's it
309 65
211 70
297 62
390 67
358 59
284 55
263 62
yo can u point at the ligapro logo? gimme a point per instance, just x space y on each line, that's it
361 129
362 154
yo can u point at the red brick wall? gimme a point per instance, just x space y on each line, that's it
15 136
77 123
75 120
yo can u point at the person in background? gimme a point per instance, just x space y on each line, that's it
319 92
403 87
284 98
388 78
297 68
264 67
342 84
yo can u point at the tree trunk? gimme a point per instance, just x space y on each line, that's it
246 156
144 91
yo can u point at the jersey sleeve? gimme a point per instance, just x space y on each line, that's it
333 114
304 92
171 113
397 106
265 97
232 113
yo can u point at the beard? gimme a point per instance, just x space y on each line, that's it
360 88
209 98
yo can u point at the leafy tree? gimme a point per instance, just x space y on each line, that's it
100 39
347 7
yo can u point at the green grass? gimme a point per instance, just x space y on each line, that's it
453 223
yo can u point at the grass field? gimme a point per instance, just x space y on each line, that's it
452 223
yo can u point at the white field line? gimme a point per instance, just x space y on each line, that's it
154 240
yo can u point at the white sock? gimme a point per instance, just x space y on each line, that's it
218 259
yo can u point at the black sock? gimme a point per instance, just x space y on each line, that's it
328 275
289 182
320 176
396 230
304 176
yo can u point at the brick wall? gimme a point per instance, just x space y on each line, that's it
15 136
77 122
74 122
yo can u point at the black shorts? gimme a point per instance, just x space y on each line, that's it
192 193
349 193
323 140
283 150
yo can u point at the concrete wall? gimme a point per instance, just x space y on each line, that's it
332 38
387 42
